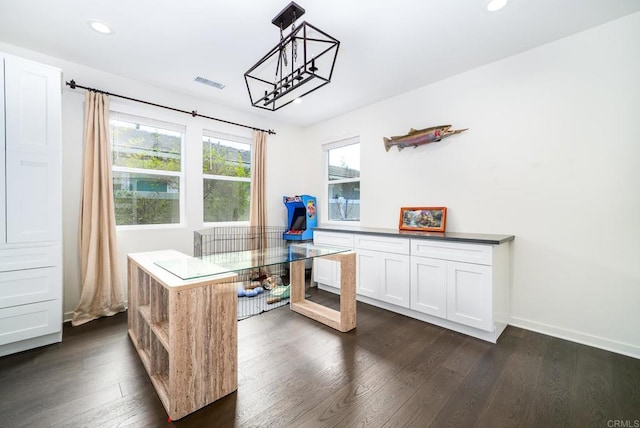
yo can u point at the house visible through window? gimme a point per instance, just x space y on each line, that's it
147 170
226 168
343 180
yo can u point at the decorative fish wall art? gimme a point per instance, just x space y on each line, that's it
418 137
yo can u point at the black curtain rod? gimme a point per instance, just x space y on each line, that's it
73 85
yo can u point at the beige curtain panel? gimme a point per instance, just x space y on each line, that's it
102 289
258 213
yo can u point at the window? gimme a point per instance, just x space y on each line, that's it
343 180
147 170
226 168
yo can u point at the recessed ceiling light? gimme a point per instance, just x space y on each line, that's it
100 27
493 5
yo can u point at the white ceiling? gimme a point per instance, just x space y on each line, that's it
387 47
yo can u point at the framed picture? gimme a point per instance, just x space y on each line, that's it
426 219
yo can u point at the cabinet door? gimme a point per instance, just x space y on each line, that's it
324 272
469 295
429 286
3 236
33 144
367 273
394 279
34 203
33 107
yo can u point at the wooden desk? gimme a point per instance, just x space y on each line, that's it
186 330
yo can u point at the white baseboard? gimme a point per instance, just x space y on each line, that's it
578 337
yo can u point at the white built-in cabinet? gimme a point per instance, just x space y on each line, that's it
382 268
30 205
463 286
453 281
327 271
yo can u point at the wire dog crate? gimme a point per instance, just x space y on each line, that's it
227 239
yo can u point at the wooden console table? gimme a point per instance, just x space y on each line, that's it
182 316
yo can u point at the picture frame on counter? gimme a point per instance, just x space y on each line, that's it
425 219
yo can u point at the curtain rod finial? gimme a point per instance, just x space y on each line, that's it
72 84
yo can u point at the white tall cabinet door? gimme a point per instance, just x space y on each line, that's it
3 230
33 129
429 286
33 103
469 294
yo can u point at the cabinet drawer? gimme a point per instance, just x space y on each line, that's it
379 243
333 239
469 253
29 257
28 321
28 286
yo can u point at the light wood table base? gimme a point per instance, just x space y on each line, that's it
186 332
343 320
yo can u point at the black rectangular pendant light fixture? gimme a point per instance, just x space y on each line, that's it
299 64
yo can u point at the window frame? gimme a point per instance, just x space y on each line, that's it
350 141
208 133
170 126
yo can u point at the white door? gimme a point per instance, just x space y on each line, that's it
469 295
394 278
429 286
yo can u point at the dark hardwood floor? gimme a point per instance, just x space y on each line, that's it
392 371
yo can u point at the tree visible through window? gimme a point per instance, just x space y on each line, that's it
146 168
343 181
226 168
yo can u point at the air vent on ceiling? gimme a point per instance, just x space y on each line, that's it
209 82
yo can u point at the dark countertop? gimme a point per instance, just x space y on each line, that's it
474 238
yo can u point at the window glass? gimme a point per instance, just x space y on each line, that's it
344 162
343 182
226 167
146 169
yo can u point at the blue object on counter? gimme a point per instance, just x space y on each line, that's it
301 216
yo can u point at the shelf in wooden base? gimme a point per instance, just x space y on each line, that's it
343 320
185 333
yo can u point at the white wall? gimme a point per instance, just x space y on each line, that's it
552 156
279 170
